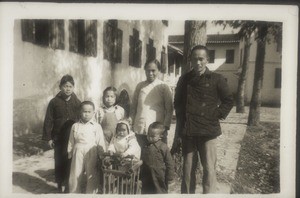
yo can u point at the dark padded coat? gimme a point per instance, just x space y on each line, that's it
200 102
157 169
60 117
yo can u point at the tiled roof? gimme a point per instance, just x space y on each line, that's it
212 38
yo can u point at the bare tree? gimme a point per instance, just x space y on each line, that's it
255 104
194 34
263 29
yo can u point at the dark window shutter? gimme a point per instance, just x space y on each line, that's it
112 41
229 56
81 37
211 55
278 78
135 49
73 36
27 28
164 60
91 38
139 54
57 34
131 50
119 46
42 32
151 51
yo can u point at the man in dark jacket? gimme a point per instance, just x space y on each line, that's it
202 98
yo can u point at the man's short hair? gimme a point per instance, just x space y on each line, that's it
155 61
199 47
87 103
158 126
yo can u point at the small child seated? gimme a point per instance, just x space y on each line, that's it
124 141
157 170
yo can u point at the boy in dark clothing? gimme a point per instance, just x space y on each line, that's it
62 113
157 170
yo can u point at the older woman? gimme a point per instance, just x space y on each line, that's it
152 101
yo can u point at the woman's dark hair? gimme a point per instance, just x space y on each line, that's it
110 89
65 79
87 103
155 61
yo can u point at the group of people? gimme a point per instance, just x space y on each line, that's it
79 133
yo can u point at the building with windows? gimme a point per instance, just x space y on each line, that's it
96 53
226 56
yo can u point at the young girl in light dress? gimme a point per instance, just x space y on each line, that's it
110 113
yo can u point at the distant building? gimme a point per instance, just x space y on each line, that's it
226 55
96 53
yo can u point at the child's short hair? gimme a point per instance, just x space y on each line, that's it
158 126
110 89
87 103
65 79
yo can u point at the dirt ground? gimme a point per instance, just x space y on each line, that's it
33 165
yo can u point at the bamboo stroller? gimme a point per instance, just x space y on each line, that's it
121 175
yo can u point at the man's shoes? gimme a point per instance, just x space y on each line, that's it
59 188
66 189
63 189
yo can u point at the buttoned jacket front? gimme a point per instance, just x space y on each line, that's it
157 169
200 102
60 115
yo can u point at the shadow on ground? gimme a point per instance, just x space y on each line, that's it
28 144
32 184
46 174
259 160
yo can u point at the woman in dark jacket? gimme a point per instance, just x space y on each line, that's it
62 113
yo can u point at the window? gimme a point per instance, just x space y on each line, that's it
211 55
112 41
165 22
57 34
135 49
164 60
41 32
90 38
27 27
278 78
151 51
83 37
229 56
48 33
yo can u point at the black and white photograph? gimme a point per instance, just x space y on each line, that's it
149 102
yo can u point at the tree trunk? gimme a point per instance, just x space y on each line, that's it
194 34
254 112
240 101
